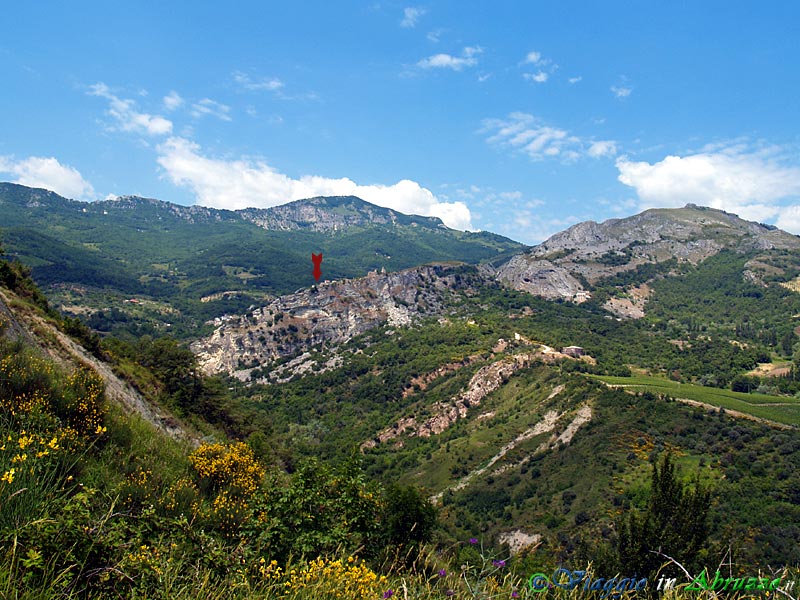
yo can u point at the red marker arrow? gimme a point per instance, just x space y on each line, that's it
317 260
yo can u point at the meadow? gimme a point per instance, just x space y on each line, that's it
779 409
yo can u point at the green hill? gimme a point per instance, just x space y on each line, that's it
547 451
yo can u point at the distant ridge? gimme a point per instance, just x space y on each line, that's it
332 213
321 213
192 264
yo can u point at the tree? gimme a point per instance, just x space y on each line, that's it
743 383
409 516
175 366
673 524
787 343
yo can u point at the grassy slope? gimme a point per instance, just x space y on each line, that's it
549 492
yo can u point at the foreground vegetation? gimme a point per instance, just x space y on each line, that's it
96 505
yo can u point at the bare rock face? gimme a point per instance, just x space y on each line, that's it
485 381
539 277
331 313
330 214
587 252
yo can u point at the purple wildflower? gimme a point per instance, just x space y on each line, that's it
515 594
388 594
442 573
473 541
449 593
499 563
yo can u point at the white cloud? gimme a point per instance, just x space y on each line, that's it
602 148
448 61
545 67
127 117
529 225
207 106
48 173
533 58
411 15
574 80
625 206
257 85
789 219
539 77
538 140
435 35
249 182
755 184
621 91
173 101
511 213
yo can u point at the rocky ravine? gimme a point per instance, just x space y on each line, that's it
328 314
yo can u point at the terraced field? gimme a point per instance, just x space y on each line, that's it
779 409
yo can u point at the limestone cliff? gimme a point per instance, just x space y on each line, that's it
331 214
328 314
571 261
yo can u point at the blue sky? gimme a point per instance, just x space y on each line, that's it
520 118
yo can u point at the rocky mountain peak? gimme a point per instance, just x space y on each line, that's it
331 213
567 263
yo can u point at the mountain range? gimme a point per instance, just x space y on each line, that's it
572 262
588 258
186 264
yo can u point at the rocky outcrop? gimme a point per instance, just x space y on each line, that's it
539 277
546 425
329 314
563 265
421 381
631 305
485 381
518 540
331 214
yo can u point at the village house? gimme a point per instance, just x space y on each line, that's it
574 351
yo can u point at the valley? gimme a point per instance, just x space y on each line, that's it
524 394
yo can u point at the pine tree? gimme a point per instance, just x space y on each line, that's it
673 524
